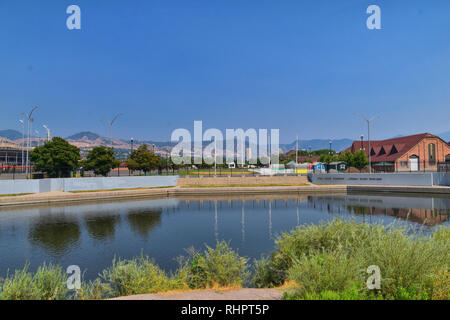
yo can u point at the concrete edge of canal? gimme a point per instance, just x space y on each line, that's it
68 197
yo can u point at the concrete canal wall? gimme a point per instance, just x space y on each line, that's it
386 179
84 184
242 181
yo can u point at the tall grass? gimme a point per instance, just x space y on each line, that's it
330 261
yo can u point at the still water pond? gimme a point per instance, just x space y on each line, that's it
90 235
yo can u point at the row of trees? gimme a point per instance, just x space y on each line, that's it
58 158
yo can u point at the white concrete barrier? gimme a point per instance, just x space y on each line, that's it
388 179
84 184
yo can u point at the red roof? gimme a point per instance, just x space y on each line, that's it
391 149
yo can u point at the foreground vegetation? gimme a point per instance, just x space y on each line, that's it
327 261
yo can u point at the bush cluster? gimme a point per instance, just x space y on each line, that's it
329 261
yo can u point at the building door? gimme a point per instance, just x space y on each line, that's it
414 163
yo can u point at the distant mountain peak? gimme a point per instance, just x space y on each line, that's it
11 134
85 135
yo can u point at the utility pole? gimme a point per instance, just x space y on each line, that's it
368 137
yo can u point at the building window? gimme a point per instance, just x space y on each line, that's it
432 153
403 163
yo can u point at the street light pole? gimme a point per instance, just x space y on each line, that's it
48 132
38 138
132 141
296 152
368 138
30 120
23 140
110 126
215 157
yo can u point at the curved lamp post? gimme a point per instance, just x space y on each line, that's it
30 121
110 126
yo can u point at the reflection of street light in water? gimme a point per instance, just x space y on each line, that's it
216 228
298 217
270 219
243 220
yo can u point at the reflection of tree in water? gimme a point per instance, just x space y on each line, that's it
55 234
143 221
101 226
358 210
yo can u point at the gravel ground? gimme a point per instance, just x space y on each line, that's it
237 294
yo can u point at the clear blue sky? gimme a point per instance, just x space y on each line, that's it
304 67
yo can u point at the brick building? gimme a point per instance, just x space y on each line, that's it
420 152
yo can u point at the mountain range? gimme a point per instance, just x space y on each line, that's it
86 140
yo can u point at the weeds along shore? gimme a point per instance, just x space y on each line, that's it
323 261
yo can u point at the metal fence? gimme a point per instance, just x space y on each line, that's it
18 172
443 167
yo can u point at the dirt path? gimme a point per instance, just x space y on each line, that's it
236 294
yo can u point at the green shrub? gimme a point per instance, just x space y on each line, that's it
335 271
136 276
219 267
263 273
48 283
311 240
51 282
20 286
93 290
413 266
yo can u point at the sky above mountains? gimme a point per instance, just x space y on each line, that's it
304 67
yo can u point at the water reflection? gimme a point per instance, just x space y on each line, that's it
91 234
424 211
101 228
56 234
143 221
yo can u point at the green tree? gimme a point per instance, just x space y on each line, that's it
143 159
323 152
326 158
101 160
347 157
57 158
360 159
